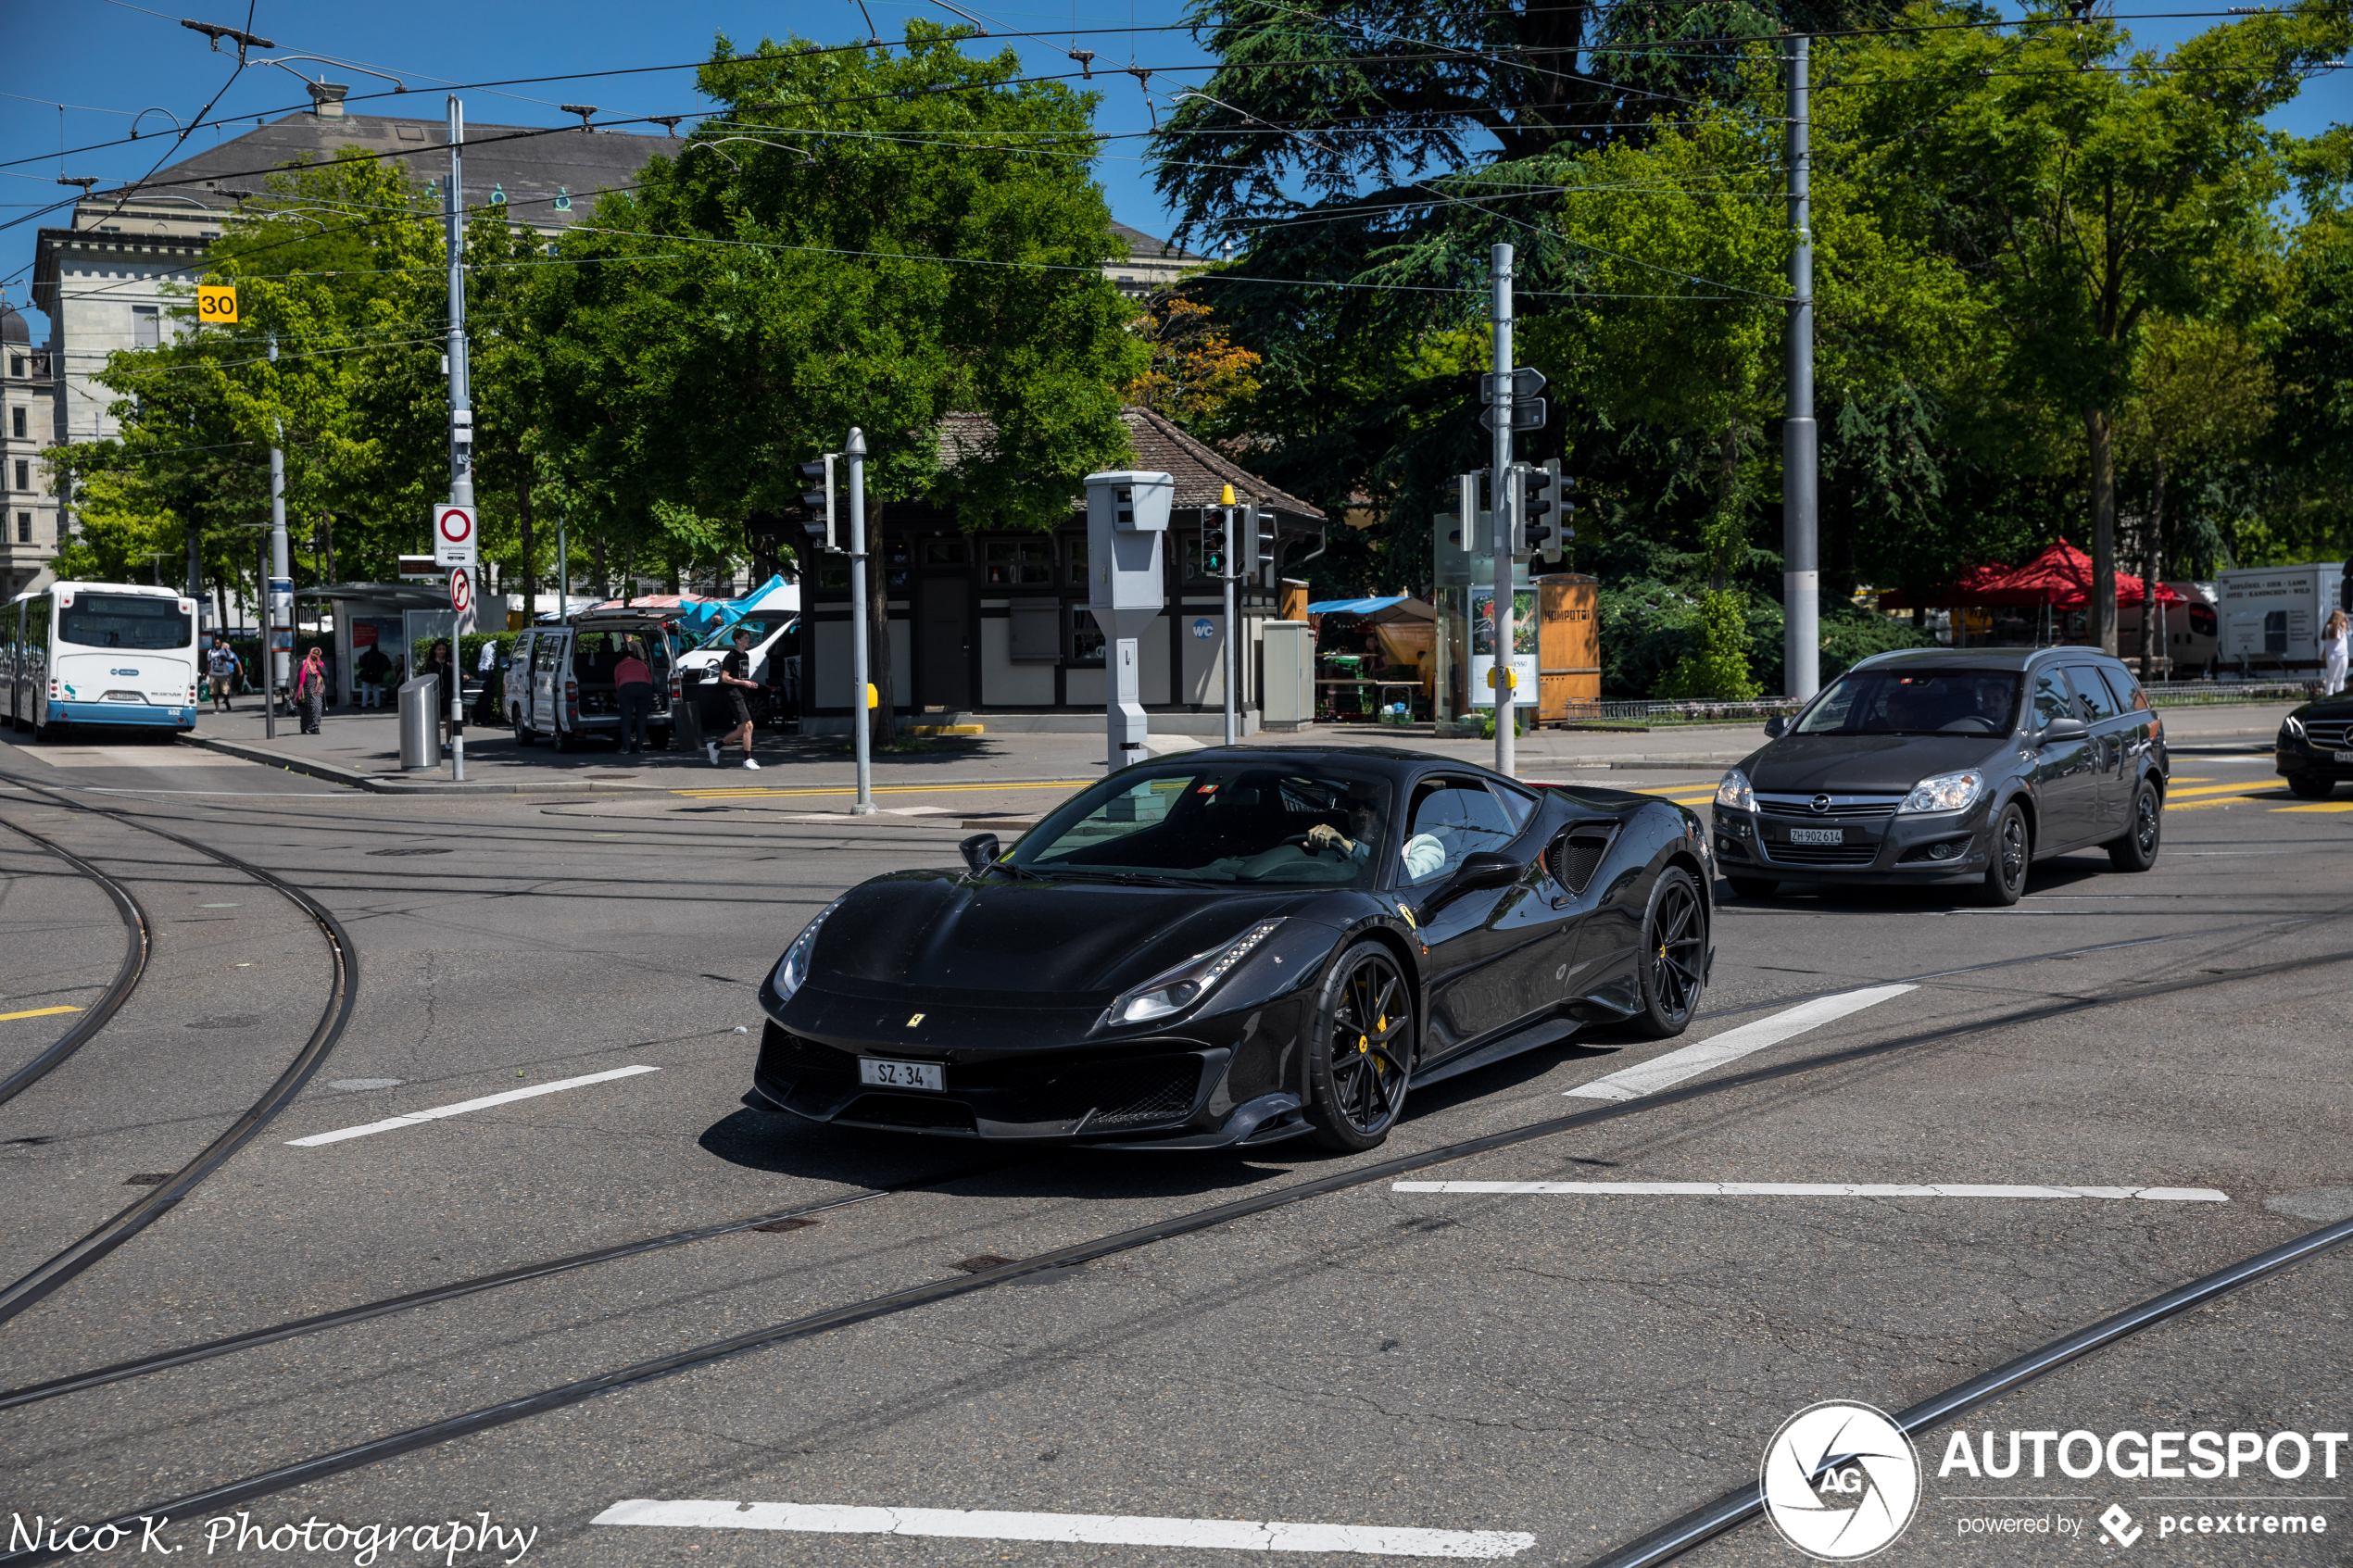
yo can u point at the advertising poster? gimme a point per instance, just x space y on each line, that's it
1483 661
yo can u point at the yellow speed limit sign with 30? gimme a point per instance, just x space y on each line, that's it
217 302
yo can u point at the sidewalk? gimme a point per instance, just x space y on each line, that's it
950 774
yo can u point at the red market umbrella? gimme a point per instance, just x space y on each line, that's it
2061 578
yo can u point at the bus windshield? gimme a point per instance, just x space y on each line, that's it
124 620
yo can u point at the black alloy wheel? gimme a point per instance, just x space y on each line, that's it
2310 787
1752 886
1363 1052
2135 849
1672 967
2012 849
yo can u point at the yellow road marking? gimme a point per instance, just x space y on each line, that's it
35 1012
2321 806
2239 788
896 789
2220 800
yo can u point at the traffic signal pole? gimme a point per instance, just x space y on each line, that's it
1233 631
461 418
278 597
1801 578
1506 529
859 724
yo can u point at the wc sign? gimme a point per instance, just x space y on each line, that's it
453 536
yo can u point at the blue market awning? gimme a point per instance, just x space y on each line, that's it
1353 607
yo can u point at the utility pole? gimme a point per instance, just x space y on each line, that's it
461 417
1801 577
1504 542
280 596
855 448
564 567
1233 631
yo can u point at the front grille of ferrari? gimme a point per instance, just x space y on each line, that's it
1121 1092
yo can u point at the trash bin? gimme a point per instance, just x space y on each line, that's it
419 732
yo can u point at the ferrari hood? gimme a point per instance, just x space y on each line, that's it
1020 944
1873 764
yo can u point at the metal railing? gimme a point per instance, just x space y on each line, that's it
2163 693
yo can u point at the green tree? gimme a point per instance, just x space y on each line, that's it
2086 187
872 240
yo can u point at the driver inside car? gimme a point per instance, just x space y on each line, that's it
1364 823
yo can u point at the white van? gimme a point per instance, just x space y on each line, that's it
561 683
775 654
2273 615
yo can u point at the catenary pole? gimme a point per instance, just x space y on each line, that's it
461 417
859 724
279 599
1502 543
1801 576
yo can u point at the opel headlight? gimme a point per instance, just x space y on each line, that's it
2294 727
792 970
1734 792
1946 792
1175 990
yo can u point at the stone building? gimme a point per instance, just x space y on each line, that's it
28 510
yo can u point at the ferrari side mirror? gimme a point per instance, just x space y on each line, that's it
1486 869
979 851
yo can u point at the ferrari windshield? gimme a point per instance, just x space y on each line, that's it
1243 822
1895 701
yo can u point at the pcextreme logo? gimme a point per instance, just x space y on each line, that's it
1841 1481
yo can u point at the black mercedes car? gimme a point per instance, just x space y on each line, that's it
1239 944
1931 765
2315 748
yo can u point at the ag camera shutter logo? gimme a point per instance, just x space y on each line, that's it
1841 1481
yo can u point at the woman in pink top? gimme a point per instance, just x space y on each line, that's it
310 689
634 681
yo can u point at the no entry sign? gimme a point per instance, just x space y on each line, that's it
453 535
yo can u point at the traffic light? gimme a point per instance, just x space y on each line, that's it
818 500
1536 490
1258 540
1212 544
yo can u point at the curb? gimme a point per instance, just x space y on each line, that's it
351 778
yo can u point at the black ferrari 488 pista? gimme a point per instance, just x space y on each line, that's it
1237 944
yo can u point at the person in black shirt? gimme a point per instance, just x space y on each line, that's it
737 687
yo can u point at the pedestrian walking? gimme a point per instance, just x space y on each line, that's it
2336 645
221 670
734 679
633 679
371 667
486 671
310 689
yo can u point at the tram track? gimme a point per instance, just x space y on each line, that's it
811 1326
138 946
341 993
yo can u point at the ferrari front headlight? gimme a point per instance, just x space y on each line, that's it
792 970
1173 990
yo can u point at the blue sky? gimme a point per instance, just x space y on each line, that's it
108 59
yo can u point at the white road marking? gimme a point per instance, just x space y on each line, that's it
414 1117
1092 1529
1731 1046
1810 1189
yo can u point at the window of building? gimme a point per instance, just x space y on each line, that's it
943 552
24 469
146 326
15 421
16 364
1016 562
24 528
1075 559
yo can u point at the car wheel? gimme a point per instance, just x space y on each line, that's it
2310 787
567 741
524 733
1672 967
2013 850
1363 1050
1752 886
2135 849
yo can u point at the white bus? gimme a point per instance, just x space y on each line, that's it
98 654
